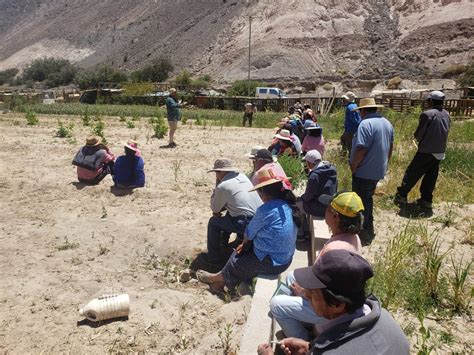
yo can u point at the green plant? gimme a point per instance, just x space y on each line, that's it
433 258
122 118
31 118
86 119
130 124
159 126
64 131
244 88
423 337
467 78
183 78
6 76
67 245
461 297
225 337
158 70
51 71
104 212
92 77
293 168
184 120
98 129
176 169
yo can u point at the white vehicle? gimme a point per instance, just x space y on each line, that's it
269 93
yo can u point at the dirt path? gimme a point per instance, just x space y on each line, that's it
62 245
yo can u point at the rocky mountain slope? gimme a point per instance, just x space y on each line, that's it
291 39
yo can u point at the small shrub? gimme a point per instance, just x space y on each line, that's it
130 124
67 245
122 118
184 120
225 337
183 78
327 86
86 119
159 126
31 118
241 88
64 131
394 83
467 78
454 70
98 129
461 294
293 168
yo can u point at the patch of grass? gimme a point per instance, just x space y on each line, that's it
67 245
31 119
225 337
293 168
130 124
64 131
461 294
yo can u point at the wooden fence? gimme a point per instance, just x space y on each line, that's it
459 107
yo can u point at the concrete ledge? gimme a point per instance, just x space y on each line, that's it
319 235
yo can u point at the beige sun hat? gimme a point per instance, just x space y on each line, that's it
93 140
131 144
223 164
367 102
349 96
284 134
266 177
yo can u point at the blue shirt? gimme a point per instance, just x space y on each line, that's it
129 171
351 119
273 232
375 133
173 112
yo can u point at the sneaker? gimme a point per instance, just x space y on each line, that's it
400 200
173 145
424 204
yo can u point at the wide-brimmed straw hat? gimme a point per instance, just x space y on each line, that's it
131 144
266 176
367 102
93 141
223 164
283 134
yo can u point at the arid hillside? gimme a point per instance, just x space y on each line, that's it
292 39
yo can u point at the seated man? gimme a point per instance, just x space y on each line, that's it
128 168
263 158
286 143
94 161
232 194
355 324
322 179
344 218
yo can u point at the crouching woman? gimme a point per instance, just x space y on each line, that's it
94 161
269 241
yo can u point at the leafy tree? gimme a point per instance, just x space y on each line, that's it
158 70
51 71
6 76
467 78
241 87
183 78
91 78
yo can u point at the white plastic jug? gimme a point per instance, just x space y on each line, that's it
106 307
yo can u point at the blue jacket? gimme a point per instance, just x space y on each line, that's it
321 180
352 119
173 112
129 171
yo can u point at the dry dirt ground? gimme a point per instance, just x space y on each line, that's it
63 244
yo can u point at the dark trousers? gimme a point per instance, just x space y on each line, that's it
248 116
346 141
218 234
423 165
365 188
107 169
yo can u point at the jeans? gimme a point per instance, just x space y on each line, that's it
294 313
365 188
423 165
218 234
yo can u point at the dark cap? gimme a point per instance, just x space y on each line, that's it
342 272
263 154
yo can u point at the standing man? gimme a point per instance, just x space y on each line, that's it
432 136
173 114
249 110
232 194
351 120
371 151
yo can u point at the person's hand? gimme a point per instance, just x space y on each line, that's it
297 289
353 169
217 214
292 346
239 248
264 349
